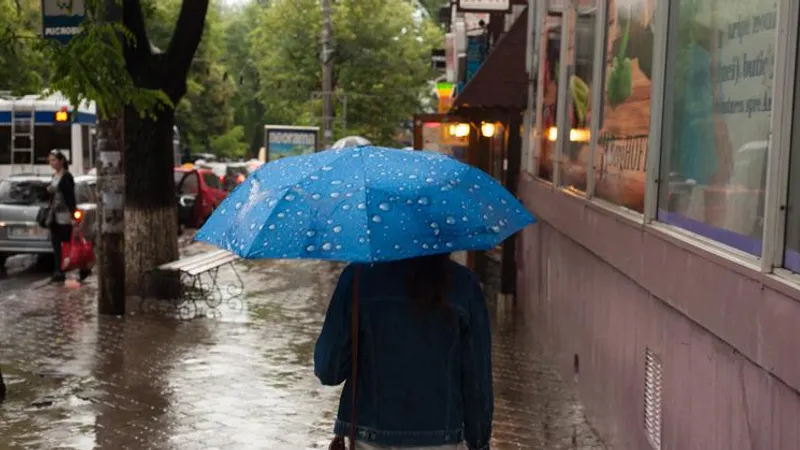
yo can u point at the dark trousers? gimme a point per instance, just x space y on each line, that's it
58 235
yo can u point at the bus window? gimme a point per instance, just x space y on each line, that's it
5 144
49 137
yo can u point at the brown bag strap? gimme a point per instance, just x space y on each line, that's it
354 370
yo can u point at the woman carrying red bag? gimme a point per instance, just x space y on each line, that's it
60 212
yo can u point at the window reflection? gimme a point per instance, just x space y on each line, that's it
548 94
576 155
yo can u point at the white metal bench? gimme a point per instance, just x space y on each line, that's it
199 281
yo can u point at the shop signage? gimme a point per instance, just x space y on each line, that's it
444 91
476 52
438 59
473 21
62 19
281 141
485 5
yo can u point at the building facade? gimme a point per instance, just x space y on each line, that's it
662 159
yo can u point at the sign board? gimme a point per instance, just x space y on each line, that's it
497 6
62 19
281 141
476 52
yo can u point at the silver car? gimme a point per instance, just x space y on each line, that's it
21 196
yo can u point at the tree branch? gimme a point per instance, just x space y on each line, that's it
187 36
133 19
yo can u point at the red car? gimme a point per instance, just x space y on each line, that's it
199 192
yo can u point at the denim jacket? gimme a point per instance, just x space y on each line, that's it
424 378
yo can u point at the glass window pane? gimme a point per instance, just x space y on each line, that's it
5 144
576 156
791 257
548 94
717 119
51 137
625 127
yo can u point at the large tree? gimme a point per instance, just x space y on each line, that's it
150 213
381 63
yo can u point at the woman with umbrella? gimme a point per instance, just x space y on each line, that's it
407 330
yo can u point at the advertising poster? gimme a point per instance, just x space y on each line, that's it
625 127
282 141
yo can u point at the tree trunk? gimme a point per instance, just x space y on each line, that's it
151 223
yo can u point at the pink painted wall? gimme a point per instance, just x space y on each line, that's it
596 284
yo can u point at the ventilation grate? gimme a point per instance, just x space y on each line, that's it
652 398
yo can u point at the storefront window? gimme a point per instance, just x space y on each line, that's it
791 257
624 132
716 119
548 95
576 156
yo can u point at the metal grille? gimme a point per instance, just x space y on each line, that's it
652 398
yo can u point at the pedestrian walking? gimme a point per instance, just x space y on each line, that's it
424 370
60 219
395 215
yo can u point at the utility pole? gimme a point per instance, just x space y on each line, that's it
327 74
111 208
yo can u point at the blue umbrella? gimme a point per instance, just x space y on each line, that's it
364 204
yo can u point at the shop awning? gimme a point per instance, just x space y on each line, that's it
501 82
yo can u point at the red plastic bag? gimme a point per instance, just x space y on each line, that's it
78 253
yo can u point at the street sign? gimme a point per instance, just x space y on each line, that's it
62 19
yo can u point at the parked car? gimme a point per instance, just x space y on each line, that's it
21 196
199 192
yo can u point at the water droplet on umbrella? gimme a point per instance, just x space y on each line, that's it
311 233
376 218
326 247
503 201
464 219
424 201
336 182
434 225
281 215
451 220
271 226
327 168
335 195
311 248
238 205
289 197
425 246
384 206
272 203
346 207
429 180
337 229
397 246
448 244
495 229
362 206
412 177
314 177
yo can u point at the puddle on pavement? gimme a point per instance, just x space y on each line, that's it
242 379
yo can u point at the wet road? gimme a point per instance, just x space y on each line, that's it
243 380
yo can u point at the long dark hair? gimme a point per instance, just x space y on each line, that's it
428 281
61 157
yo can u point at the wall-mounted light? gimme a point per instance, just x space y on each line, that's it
575 134
488 129
459 130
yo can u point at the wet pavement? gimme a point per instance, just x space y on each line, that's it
242 380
